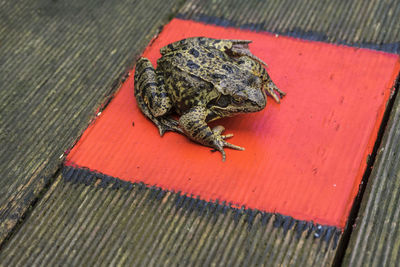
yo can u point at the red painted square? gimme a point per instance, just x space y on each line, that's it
304 157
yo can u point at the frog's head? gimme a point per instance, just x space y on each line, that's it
240 97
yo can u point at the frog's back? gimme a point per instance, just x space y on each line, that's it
207 64
196 60
184 77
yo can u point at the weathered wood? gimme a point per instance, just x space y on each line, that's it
91 219
357 23
375 240
59 61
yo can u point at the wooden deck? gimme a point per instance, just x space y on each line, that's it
59 64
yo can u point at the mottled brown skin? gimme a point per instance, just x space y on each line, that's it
202 79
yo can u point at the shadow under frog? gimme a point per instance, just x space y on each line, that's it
202 79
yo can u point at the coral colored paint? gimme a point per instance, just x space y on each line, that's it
304 157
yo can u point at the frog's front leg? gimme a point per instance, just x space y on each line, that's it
195 127
152 97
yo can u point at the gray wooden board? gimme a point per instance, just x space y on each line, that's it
59 60
88 219
370 24
373 24
375 240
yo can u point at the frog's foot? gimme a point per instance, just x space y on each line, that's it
241 48
195 127
219 141
217 130
273 91
168 124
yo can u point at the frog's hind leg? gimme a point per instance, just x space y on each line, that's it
184 44
241 48
232 47
152 98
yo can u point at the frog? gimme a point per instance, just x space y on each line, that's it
199 80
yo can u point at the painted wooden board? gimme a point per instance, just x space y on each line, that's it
304 157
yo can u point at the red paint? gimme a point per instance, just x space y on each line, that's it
304 158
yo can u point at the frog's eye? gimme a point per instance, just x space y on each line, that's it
251 81
223 101
237 100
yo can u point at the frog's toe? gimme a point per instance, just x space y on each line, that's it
168 124
226 136
223 154
218 129
226 144
273 91
162 129
281 93
219 143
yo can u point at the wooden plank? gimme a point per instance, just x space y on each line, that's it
375 240
304 157
59 61
91 219
355 23
62 60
